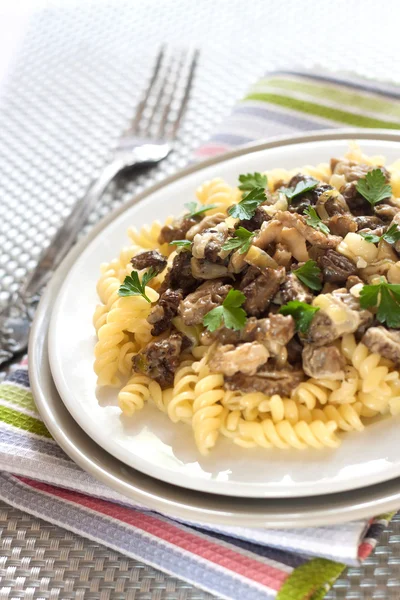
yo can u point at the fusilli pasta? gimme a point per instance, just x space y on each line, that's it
135 393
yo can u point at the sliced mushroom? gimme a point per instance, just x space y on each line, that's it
385 342
206 223
314 236
244 358
196 305
203 269
324 362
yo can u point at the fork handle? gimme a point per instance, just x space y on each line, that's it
65 237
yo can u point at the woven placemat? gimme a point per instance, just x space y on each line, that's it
43 561
71 92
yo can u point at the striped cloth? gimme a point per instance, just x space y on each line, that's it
231 562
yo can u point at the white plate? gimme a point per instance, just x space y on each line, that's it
150 442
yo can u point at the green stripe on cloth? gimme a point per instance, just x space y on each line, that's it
354 99
18 396
21 421
310 581
325 112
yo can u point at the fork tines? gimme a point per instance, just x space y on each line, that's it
161 108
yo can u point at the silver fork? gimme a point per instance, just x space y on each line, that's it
149 139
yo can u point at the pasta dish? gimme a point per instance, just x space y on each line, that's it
268 312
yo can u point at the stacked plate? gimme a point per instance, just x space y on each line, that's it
154 461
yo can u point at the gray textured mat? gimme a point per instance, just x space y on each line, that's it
43 561
71 92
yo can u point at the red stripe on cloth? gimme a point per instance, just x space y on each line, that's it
364 550
252 569
211 150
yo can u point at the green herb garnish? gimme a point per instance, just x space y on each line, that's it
230 314
314 220
373 187
301 312
391 236
197 209
246 208
386 298
181 243
309 274
252 180
301 187
132 285
370 237
242 239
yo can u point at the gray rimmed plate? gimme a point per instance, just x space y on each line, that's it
162 496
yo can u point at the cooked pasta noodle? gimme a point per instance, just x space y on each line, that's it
147 237
283 434
126 351
207 409
230 420
217 191
180 407
134 394
310 393
306 415
106 354
161 398
346 416
373 376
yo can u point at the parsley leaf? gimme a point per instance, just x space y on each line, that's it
370 237
132 285
392 235
252 180
242 239
314 221
181 243
386 298
373 187
303 186
246 208
196 210
301 312
309 274
229 313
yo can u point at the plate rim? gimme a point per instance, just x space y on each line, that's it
339 134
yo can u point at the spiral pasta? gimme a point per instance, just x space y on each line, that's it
310 393
285 409
283 434
373 375
107 288
230 420
147 237
106 354
134 394
160 397
346 416
180 407
207 409
127 350
217 191
127 314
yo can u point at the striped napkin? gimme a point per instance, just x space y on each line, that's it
230 562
